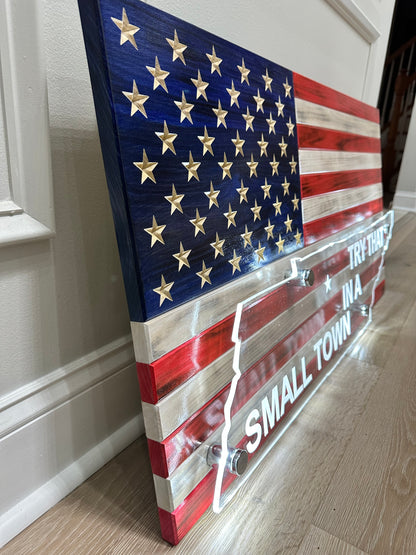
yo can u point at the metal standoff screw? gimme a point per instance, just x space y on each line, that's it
237 459
305 278
365 310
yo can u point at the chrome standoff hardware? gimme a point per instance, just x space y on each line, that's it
305 278
362 309
237 459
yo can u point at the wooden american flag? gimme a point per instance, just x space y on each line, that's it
220 165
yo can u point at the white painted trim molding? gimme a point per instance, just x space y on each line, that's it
354 15
24 513
23 76
405 200
59 429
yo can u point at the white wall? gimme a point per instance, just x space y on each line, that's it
68 393
405 197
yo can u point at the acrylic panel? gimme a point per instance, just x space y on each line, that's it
223 168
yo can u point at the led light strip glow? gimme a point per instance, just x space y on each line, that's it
220 501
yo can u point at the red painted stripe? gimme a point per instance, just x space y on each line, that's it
319 138
168 372
325 227
320 183
175 525
310 90
183 442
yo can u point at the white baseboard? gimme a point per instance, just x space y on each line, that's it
57 431
405 200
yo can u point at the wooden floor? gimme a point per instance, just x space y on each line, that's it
342 480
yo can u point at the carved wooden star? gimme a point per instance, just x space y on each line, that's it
220 113
201 86
298 237
185 108
266 189
167 139
288 223
285 186
293 165
127 30
192 167
164 290
259 102
244 72
263 146
198 223
217 246
137 100
295 201
242 191
238 143
146 168
291 127
269 229
280 243
274 166
155 232
287 88
233 95
247 237
226 167
256 211
271 123
267 81
212 194
204 275
182 257
206 141
235 262
260 252
280 107
248 119
215 62
253 166
159 75
178 48
277 206
175 201
283 147
230 215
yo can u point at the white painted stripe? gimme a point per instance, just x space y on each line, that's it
309 113
323 161
320 206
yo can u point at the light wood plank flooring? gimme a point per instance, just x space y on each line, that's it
342 480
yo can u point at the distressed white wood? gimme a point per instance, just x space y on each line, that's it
320 116
320 206
354 15
23 70
321 161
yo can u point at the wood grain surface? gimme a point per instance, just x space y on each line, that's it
342 480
